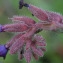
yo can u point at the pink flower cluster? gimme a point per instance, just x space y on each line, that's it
27 42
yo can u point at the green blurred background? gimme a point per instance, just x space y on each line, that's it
54 53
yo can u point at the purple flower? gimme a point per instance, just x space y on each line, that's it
3 51
0 28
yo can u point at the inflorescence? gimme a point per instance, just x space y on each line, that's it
28 43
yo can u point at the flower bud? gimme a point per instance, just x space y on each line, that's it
3 51
39 13
17 27
23 19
